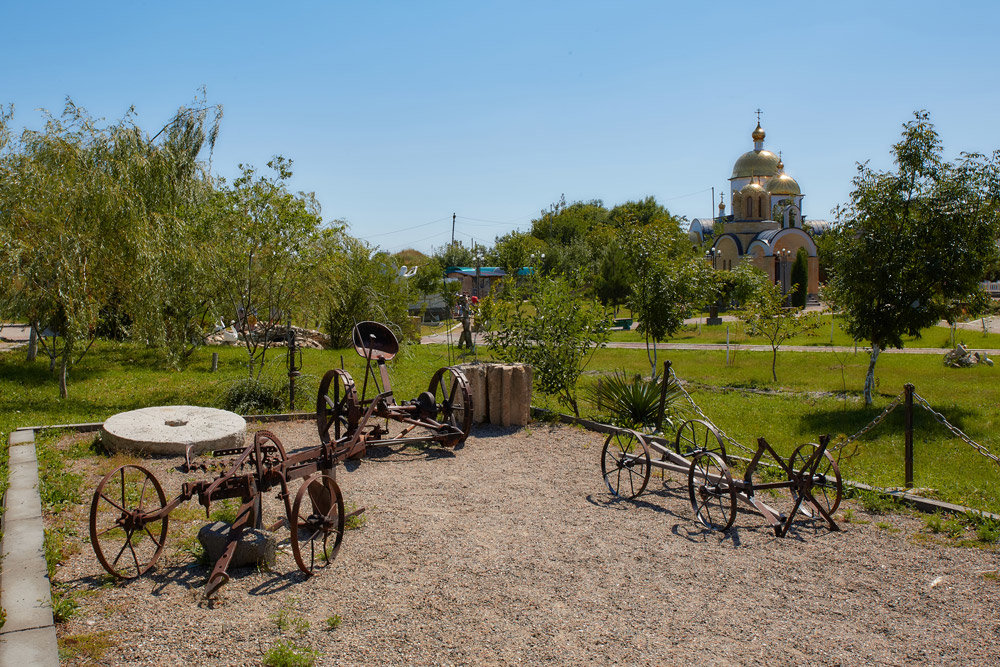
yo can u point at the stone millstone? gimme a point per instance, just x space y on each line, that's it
256 547
170 429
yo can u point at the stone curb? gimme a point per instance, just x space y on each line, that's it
29 635
922 504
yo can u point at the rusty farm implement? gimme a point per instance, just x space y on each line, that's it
810 475
129 512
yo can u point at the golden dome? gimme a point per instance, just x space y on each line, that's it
758 133
751 189
756 163
783 184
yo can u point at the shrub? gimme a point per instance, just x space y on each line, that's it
634 402
254 396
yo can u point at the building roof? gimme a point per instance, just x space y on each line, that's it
485 271
755 163
783 184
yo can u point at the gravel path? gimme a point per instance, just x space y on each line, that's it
512 551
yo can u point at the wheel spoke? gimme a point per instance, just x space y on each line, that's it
128 538
113 503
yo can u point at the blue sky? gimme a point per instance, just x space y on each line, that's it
397 114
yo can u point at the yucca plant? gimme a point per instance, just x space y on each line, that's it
633 401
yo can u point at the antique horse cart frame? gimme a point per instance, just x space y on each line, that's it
811 475
129 512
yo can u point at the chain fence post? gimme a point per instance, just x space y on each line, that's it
908 433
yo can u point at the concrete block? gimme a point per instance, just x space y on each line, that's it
21 437
255 547
494 389
476 375
37 647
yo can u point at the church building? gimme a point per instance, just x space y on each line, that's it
765 225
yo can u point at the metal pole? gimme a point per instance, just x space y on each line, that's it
663 396
453 229
215 361
908 434
727 344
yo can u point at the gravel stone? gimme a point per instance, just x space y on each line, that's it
512 550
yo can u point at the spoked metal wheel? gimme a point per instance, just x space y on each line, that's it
696 435
337 406
317 522
826 485
710 488
269 454
452 405
625 464
127 529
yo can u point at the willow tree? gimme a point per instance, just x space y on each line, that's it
76 202
914 241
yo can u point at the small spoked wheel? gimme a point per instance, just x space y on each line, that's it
710 487
625 464
269 454
696 435
127 525
337 406
825 482
317 522
452 405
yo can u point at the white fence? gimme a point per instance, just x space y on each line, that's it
992 287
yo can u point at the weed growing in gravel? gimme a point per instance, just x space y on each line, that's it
64 604
953 528
355 521
987 529
873 501
848 515
286 619
886 526
332 622
992 576
89 646
226 511
287 654
934 523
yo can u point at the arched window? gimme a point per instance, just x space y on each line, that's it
749 207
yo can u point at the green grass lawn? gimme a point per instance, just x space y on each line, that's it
935 337
117 377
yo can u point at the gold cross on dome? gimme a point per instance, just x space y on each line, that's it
758 112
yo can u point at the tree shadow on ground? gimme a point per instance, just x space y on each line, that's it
850 420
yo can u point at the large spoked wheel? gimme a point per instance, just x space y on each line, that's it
337 406
269 454
710 488
452 405
826 485
696 435
317 522
126 537
625 464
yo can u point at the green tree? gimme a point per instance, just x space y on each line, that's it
355 282
542 322
264 232
800 279
669 282
764 314
613 279
77 202
913 241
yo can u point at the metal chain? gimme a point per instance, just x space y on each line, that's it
872 424
705 417
969 441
